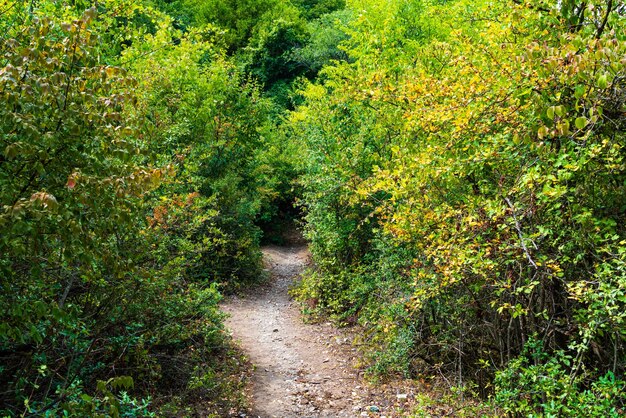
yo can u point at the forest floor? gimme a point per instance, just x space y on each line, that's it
303 370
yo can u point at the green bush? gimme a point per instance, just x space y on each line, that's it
469 174
113 245
541 384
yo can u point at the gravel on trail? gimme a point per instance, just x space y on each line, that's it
301 370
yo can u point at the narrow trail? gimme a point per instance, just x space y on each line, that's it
301 370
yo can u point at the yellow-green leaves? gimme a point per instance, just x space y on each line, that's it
581 122
555 111
495 174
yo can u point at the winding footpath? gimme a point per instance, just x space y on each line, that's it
301 370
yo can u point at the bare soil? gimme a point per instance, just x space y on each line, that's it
302 370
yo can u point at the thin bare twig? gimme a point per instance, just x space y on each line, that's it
519 233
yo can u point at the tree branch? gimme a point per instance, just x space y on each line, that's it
519 233
609 8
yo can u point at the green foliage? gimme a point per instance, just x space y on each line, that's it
130 181
466 168
323 44
238 18
111 400
71 180
268 55
460 165
211 117
284 47
313 9
537 384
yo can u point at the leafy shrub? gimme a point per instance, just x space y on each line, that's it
539 384
473 169
112 249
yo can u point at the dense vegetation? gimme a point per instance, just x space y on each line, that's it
465 196
460 166
131 177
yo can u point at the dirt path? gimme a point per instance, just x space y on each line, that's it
301 370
